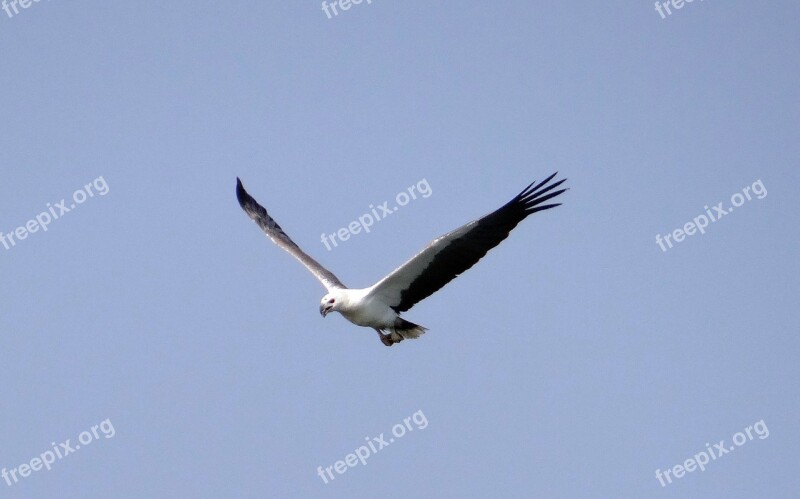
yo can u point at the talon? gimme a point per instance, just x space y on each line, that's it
385 338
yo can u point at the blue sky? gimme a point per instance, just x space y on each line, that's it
575 360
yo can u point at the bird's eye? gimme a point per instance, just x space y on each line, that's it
331 300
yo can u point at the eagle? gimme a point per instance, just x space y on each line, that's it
442 260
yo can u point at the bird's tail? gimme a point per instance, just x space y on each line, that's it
404 330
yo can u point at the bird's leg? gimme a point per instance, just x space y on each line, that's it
385 339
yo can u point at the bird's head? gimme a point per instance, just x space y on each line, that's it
329 303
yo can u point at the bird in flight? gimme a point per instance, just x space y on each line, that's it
445 258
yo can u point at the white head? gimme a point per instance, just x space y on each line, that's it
331 302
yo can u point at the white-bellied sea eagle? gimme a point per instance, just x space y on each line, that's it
445 258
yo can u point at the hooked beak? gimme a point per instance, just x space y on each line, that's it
323 311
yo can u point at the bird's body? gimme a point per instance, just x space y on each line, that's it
445 258
362 309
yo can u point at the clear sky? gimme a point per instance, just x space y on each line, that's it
157 329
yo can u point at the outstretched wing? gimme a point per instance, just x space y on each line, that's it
446 257
279 237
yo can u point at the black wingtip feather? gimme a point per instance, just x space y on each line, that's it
541 208
541 199
543 182
241 195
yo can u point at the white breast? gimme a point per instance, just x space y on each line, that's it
367 311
